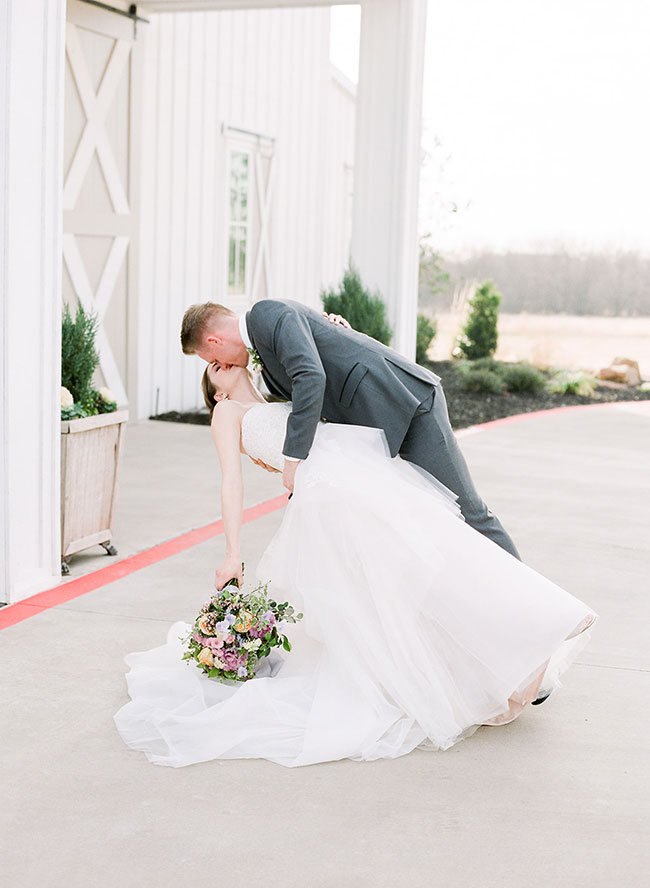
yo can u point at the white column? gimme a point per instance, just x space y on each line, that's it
31 121
387 158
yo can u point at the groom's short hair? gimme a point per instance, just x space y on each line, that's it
198 320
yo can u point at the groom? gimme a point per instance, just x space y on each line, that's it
336 374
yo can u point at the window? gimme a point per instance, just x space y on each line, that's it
239 222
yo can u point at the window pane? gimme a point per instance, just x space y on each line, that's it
242 260
231 264
238 227
238 185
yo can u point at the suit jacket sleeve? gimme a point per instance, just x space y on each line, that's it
288 335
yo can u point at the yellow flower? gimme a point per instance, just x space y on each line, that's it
204 623
205 657
244 621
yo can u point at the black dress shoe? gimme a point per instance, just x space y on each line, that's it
540 700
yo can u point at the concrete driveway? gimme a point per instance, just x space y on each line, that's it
560 797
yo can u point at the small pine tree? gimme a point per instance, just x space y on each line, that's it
365 312
426 332
79 357
479 336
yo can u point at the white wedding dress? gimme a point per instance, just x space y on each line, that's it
417 629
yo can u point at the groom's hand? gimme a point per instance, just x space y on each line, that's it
289 473
337 320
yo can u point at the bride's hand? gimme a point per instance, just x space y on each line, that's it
289 474
231 568
263 465
338 320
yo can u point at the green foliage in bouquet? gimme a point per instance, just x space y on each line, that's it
235 630
425 335
79 360
479 336
365 312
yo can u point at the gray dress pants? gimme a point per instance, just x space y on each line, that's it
431 444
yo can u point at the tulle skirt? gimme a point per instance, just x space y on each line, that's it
417 629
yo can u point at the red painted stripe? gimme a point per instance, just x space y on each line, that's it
67 591
535 414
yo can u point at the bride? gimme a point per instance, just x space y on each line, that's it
417 628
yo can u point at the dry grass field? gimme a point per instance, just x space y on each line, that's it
559 340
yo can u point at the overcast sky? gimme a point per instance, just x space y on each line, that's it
536 122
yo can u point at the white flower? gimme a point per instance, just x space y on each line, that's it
107 395
252 645
66 398
220 664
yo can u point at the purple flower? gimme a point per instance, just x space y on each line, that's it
241 671
230 658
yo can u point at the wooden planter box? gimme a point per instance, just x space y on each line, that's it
90 456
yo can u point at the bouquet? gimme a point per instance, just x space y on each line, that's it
234 630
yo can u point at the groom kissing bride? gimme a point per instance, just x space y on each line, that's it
332 373
421 623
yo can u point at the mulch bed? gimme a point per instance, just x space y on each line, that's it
467 408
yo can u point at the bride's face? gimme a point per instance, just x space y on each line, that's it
223 379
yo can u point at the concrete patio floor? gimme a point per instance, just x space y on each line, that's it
560 797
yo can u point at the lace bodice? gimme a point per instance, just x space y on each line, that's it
263 430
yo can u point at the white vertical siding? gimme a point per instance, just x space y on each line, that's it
266 71
31 148
338 176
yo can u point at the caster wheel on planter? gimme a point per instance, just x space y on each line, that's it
65 569
110 549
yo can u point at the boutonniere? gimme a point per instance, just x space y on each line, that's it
256 361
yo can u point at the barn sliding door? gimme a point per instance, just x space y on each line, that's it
100 183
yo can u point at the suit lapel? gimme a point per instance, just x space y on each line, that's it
269 364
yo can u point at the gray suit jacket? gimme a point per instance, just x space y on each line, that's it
335 374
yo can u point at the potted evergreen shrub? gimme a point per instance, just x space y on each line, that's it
92 432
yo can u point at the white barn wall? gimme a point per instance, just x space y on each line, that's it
31 122
264 70
338 175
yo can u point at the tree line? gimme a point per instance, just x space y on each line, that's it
605 284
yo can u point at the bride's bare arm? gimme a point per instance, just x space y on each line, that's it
226 432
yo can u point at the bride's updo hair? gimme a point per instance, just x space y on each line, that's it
209 390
